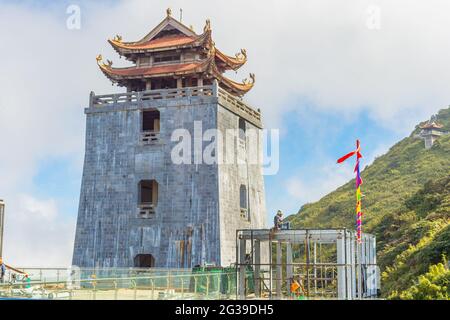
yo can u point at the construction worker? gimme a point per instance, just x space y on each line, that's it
94 283
3 270
297 289
294 287
26 279
278 220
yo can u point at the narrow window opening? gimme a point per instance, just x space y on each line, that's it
242 128
243 201
150 120
150 127
148 198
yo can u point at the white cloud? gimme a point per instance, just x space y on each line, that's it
36 233
35 210
304 188
314 49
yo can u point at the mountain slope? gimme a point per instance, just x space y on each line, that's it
406 205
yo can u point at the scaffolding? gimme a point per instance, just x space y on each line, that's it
305 264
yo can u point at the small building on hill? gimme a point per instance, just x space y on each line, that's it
430 132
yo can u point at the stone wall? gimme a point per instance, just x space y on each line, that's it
198 204
231 177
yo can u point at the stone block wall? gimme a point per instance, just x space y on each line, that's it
198 204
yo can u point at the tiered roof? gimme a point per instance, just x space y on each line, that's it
172 35
432 125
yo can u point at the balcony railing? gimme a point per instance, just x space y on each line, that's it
149 137
139 96
229 101
146 210
244 213
238 104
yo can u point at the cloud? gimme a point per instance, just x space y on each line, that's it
304 188
36 233
324 51
36 210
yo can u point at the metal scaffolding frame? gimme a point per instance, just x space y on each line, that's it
326 263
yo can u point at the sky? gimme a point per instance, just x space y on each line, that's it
327 73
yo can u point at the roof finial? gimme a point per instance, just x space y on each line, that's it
100 62
169 12
252 77
207 26
241 55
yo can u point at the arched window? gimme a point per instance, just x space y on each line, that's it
144 261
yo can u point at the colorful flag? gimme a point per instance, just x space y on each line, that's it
358 182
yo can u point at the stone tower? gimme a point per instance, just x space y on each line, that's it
158 187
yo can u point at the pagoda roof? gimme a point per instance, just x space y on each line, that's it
173 41
207 67
184 38
237 87
431 125
159 44
155 40
177 42
171 34
232 62
116 74
169 21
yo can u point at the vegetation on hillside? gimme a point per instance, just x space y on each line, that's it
434 285
406 205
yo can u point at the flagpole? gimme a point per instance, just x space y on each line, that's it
358 238
358 183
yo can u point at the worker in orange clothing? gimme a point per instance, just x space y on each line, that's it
294 286
295 289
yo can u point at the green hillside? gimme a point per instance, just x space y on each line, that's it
406 205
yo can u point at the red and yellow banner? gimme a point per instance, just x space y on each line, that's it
358 182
